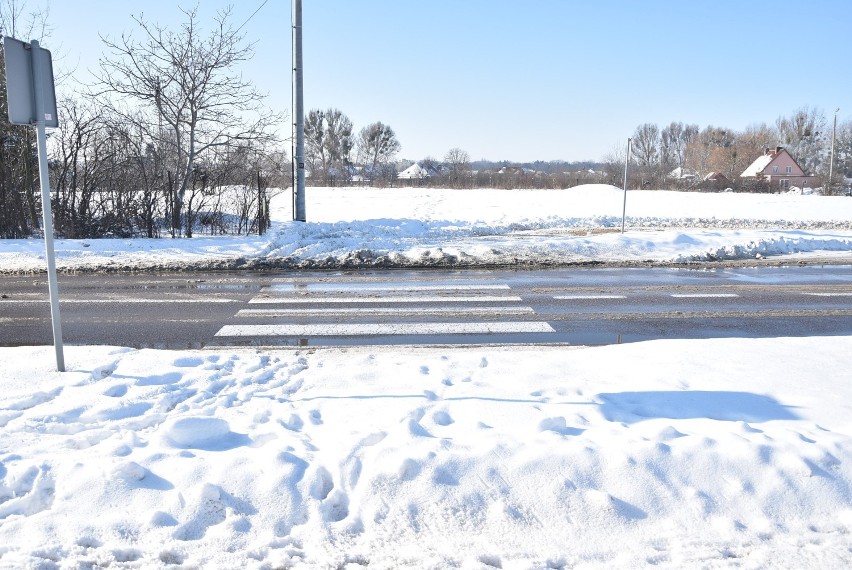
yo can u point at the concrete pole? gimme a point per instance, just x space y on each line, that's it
831 160
47 214
626 164
298 117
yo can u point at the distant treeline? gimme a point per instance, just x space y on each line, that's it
680 155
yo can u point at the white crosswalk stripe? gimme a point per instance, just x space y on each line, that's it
359 329
704 295
587 297
467 311
299 310
837 294
386 299
398 286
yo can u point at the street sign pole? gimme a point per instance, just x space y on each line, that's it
31 100
47 214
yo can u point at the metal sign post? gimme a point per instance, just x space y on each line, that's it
32 100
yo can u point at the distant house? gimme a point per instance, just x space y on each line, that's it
781 170
681 173
515 170
414 172
717 177
715 181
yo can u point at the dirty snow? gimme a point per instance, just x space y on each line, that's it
410 227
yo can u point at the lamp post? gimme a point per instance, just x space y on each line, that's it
831 160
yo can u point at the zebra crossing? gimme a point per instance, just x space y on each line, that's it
295 311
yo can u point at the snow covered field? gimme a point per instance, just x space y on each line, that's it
406 227
725 453
686 454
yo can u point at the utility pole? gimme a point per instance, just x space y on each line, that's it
298 117
831 160
626 164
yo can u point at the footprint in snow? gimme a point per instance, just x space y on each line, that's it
322 485
409 469
442 418
293 423
189 362
336 507
209 511
102 372
558 425
117 391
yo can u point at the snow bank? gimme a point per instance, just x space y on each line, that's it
405 227
712 453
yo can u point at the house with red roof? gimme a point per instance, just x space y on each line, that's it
780 169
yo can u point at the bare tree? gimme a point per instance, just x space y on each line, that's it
328 145
613 167
458 163
646 144
646 151
78 153
377 145
431 164
188 81
20 200
20 20
339 142
315 143
673 142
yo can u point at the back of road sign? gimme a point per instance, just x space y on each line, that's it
20 83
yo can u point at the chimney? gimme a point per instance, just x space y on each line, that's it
778 149
767 151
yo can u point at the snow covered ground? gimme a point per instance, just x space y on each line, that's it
407 227
724 453
685 454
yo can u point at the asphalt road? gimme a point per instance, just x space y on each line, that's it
560 306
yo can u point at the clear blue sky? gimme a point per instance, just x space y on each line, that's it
523 80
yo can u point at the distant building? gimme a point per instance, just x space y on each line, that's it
681 173
515 170
414 172
780 169
715 181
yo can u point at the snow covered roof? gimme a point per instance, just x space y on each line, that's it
516 170
758 165
413 172
681 172
715 176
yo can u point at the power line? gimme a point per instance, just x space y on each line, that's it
252 16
